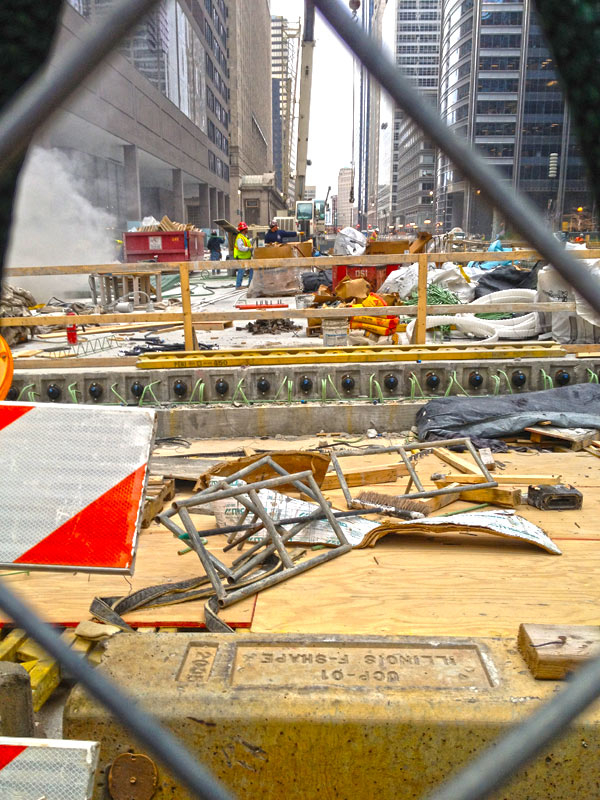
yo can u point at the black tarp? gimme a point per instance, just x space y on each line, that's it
489 417
507 277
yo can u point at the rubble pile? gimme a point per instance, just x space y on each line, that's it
273 326
16 302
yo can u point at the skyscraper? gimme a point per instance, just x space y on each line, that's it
499 89
417 55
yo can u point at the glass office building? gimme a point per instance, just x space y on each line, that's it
413 156
499 88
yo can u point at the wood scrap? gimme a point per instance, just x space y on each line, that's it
507 498
577 438
553 651
365 476
159 490
455 461
507 480
215 325
487 457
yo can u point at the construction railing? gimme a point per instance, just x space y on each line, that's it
187 317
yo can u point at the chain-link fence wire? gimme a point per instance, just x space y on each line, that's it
28 29
33 107
572 29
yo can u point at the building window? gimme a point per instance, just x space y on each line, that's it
501 18
488 85
497 107
499 63
497 150
495 129
500 41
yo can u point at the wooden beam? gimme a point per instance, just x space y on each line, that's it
456 462
421 326
144 267
76 363
505 480
284 313
365 476
186 303
553 651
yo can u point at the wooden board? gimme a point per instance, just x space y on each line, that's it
576 438
215 325
365 476
553 651
142 267
64 599
438 585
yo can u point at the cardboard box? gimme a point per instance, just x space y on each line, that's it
385 248
291 250
353 289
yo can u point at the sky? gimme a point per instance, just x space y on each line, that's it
330 131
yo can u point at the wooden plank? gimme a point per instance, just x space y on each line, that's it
144 268
455 461
215 325
11 643
45 677
364 476
420 334
503 479
76 363
509 498
553 651
30 650
108 329
284 313
186 303
578 438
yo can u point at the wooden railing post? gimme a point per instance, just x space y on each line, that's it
421 324
189 335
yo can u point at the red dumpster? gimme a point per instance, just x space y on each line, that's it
163 245
375 275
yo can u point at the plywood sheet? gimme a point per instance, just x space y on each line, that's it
438 586
65 599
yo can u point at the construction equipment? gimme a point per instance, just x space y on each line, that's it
307 50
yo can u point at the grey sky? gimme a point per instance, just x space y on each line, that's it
330 134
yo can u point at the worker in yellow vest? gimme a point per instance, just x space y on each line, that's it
242 250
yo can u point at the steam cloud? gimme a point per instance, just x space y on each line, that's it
55 223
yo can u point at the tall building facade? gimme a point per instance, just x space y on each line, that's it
285 50
251 131
150 132
346 211
417 50
499 89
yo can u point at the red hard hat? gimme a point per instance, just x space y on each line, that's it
242 226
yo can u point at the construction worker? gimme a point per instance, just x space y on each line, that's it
242 250
275 236
373 235
214 246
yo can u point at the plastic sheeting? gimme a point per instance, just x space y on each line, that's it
350 242
489 417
